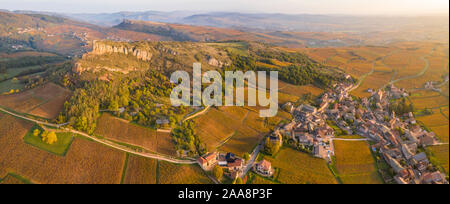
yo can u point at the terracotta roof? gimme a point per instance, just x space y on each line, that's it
265 164
236 163
201 160
210 156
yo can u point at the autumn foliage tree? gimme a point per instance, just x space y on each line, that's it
49 137
218 172
36 132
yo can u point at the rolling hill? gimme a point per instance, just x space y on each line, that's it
56 34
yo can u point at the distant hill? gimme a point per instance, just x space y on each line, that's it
270 22
35 31
180 32
378 30
112 19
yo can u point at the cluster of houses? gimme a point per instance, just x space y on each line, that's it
434 86
232 164
310 128
397 138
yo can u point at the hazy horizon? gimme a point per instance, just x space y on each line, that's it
328 7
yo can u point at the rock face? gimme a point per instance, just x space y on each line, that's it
104 48
101 48
216 63
79 68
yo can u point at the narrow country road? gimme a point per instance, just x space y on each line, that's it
439 144
422 72
363 77
197 114
107 143
252 160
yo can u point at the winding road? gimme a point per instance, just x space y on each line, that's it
424 70
104 142
363 77
196 114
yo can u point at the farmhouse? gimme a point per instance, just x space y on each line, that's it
235 165
208 161
162 121
264 167
436 178
320 151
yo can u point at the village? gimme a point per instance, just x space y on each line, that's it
399 139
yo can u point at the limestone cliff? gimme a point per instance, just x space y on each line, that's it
101 48
126 57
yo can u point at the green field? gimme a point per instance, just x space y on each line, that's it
13 178
239 48
12 72
7 85
59 148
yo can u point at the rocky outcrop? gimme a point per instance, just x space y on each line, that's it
216 63
101 48
79 68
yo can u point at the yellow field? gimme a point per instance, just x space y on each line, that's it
215 126
351 137
374 81
354 162
445 111
423 94
441 155
299 90
140 170
181 174
85 162
234 129
121 131
441 132
234 111
259 180
358 68
284 98
438 67
436 119
254 121
300 168
429 102
243 141
370 178
45 101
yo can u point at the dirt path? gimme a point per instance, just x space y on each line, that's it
197 114
107 143
422 72
363 77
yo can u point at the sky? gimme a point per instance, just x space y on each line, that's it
349 7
